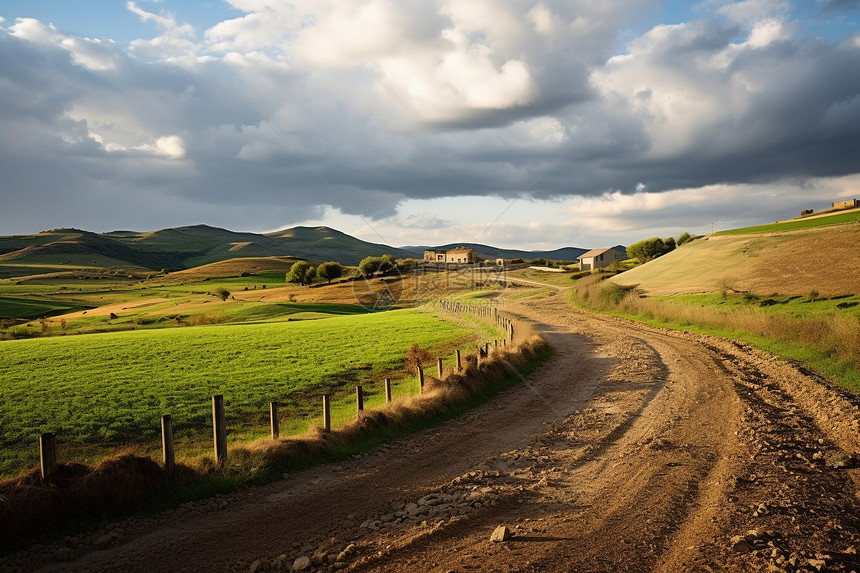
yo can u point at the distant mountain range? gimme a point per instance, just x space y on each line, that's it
188 247
490 252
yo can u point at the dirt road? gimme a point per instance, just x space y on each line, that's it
632 449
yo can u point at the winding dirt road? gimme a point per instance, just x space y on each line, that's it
632 449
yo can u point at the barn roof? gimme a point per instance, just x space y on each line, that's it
594 253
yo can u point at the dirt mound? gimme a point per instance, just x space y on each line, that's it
790 263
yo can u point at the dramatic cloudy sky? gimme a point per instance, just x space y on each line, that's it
530 123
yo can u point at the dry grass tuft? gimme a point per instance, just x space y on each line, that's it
837 336
27 505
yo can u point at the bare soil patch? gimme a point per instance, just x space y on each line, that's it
109 309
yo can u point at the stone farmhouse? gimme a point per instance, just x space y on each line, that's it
597 258
459 255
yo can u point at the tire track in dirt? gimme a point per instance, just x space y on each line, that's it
619 476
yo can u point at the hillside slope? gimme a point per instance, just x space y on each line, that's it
62 247
823 259
327 244
178 248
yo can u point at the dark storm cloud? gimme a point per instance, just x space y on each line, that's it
259 141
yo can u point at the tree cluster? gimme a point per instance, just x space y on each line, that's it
369 266
650 249
330 271
302 272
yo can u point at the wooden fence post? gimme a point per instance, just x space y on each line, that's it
359 400
48 455
459 363
169 456
273 417
220 429
326 413
439 367
387 390
420 378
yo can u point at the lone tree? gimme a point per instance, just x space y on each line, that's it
301 272
369 265
330 271
386 263
222 293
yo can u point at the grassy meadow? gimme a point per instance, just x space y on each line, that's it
65 306
112 388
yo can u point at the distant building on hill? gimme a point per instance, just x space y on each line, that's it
850 204
597 258
459 255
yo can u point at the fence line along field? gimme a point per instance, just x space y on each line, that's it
114 387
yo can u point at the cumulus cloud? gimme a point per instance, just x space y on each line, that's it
174 44
92 53
292 109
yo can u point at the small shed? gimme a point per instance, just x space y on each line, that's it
597 258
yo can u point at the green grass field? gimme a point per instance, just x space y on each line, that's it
790 306
543 277
114 387
47 297
34 307
837 219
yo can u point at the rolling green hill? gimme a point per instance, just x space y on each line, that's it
61 250
72 247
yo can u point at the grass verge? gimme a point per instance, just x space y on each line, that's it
819 333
